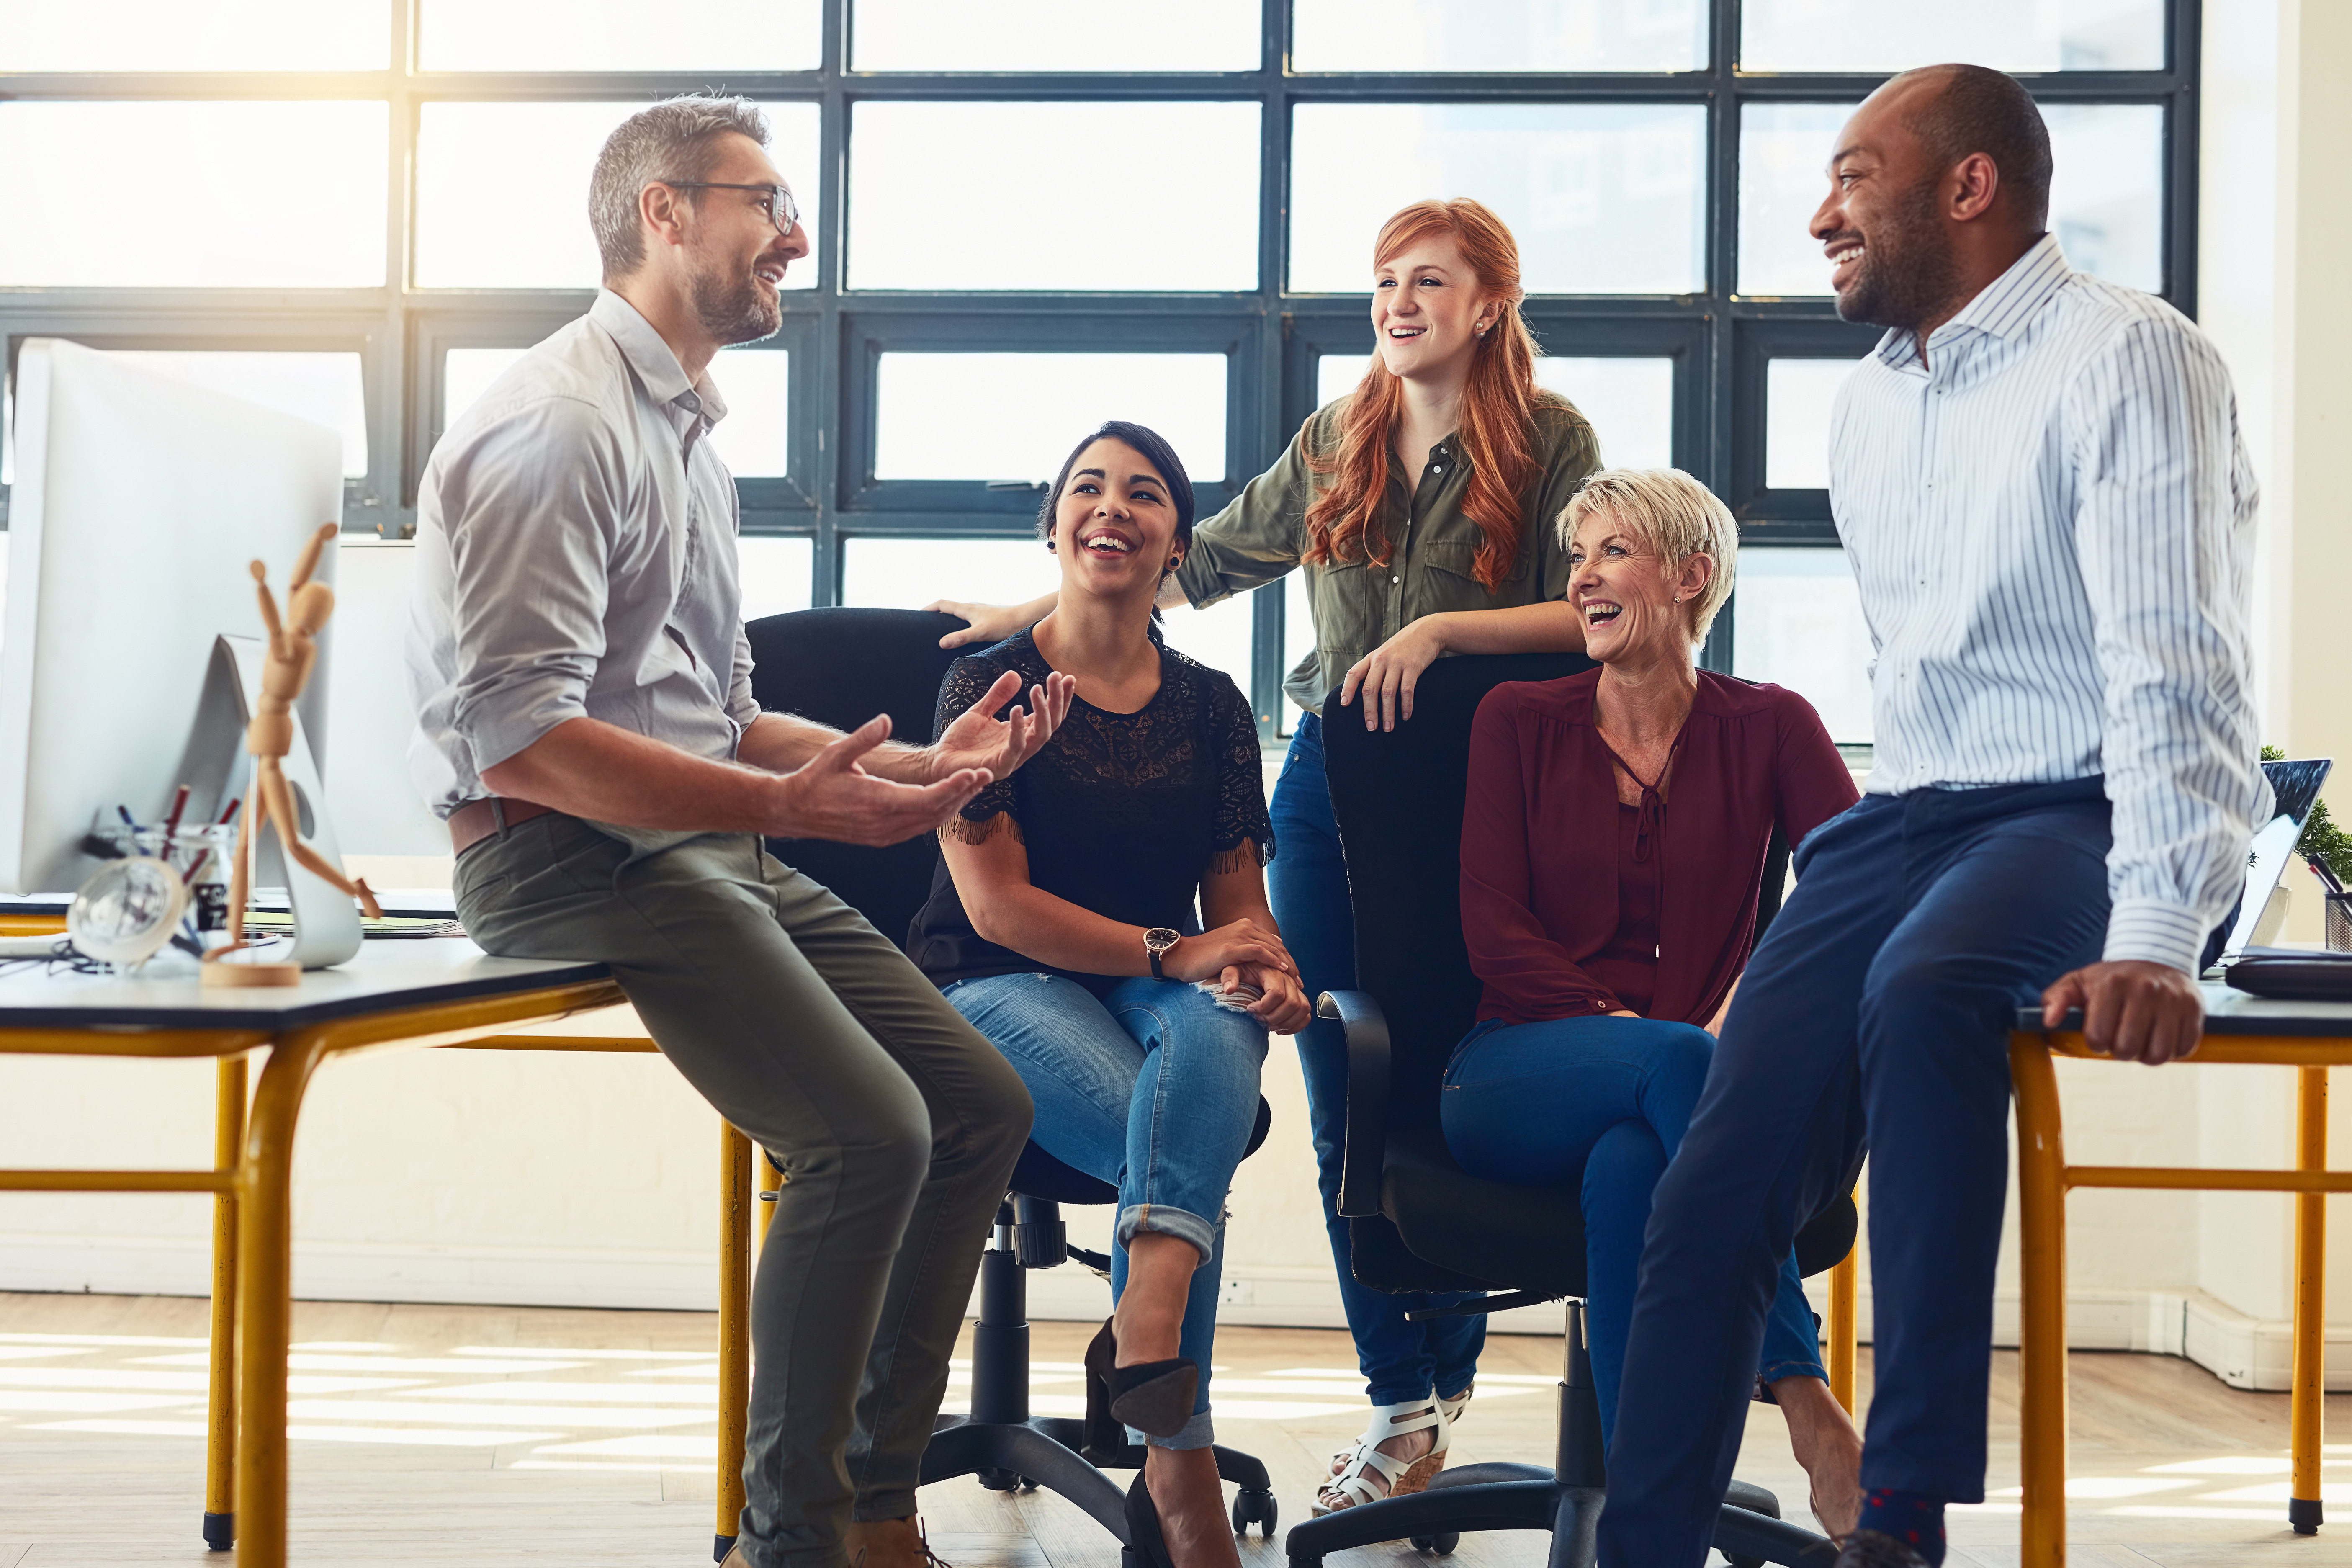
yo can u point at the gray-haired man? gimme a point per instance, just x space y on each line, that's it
582 685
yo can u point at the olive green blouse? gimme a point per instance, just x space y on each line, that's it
1432 546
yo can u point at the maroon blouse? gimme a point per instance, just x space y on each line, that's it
1563 887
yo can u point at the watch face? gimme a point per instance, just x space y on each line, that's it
1159 939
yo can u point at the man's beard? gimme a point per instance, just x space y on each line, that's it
1908 273
736 308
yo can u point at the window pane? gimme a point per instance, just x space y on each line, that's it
321 226
616 35
1798 394
2106 197
323 388
776 574
1604 198
1498 36
1629 403
1219 636
1054 36
1797 622
1897 34
756 383
466 373
1012 417
1784 153
216 35
480 226
907 574
2107 194
986 196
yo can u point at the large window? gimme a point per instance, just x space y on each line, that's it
1029 218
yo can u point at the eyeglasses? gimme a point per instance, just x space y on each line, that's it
781 212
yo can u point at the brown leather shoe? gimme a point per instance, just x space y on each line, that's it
1876 1549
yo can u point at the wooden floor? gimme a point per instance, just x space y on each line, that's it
495 1436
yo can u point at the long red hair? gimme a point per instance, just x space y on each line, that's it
1497 409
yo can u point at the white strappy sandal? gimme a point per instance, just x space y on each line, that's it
1349 1485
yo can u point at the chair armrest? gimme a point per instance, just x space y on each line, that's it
1365 1147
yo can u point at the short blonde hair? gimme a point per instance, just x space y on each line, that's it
1675 515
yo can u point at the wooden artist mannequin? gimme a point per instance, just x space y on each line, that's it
293 649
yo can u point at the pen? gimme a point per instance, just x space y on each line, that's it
171 819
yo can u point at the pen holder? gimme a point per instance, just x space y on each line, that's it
2339 923
200 853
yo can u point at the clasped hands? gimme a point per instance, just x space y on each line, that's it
834 795
1245 953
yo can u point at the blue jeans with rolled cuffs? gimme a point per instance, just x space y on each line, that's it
1602 1102
1307 883
1153 1088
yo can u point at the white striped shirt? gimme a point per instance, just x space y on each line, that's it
2052 523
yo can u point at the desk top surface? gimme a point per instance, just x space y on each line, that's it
385 976
2228 1012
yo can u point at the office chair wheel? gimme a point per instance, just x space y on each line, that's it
1253 1505
1003 1482
1442 1543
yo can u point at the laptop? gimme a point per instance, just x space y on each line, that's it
2294 786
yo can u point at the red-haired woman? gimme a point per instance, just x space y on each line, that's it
1421 505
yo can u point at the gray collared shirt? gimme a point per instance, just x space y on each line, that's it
575 557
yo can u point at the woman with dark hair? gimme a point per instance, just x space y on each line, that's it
1421 507
1063 926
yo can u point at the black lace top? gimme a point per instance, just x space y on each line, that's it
1122 813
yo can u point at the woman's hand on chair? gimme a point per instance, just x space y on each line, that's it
1386 675
1242 945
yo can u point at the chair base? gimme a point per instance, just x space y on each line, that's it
1043 1451
1530 1497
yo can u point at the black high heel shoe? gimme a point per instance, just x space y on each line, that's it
1144 1535
1155 1397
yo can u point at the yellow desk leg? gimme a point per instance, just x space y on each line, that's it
2310 1302
220 1411
735 1203
2041 1336
265 1257
1842 1329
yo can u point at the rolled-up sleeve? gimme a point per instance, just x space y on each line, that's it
1257 539
531 508
2164 532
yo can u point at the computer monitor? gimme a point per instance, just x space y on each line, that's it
139 504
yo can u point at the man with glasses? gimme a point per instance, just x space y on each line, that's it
585 723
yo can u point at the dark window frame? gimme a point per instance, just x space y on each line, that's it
1720 341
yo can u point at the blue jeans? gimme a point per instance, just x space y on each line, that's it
1880 1000
1307 883
1154 1088
1603 1102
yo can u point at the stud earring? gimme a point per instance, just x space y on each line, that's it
1049 547
1173 561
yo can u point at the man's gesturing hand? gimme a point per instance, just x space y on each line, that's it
978 739
830 796
2132 1010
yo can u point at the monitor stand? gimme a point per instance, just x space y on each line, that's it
217 768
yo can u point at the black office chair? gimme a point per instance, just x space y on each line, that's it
841 666
1416 1222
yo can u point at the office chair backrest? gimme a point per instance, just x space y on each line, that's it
1398 796
842 666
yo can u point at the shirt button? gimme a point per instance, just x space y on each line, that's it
1396 579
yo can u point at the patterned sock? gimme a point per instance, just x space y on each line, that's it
1915 1519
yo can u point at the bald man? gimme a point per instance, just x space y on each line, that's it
2039 482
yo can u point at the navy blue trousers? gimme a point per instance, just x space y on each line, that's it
1875 1011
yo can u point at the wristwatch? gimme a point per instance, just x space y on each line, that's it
1156 943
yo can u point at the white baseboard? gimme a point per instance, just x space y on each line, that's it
2243 1352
